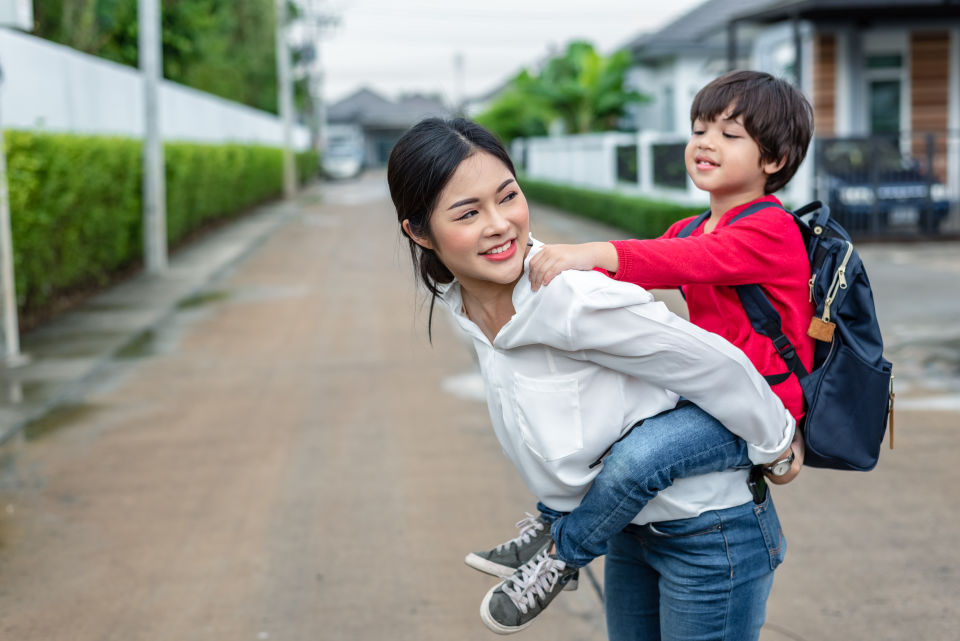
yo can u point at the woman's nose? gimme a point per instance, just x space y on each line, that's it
497 222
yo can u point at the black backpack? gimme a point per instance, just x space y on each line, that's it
849 391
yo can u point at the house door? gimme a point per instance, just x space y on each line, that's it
884 100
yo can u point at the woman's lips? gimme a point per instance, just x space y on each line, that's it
502 255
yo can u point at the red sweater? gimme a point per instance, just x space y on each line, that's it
764 248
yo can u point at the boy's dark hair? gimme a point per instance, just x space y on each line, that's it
775 114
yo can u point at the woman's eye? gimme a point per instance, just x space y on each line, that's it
731 136
509 197
469 214
698 132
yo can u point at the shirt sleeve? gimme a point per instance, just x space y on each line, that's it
613 327
752 250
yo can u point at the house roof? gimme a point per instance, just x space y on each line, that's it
703 27
874 10
372 111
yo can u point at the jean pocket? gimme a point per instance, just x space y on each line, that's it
683 528
773 536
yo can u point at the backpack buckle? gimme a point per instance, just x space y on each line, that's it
784 348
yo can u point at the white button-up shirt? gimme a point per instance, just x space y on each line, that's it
586 357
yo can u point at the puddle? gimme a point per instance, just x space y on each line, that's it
57 419
204 298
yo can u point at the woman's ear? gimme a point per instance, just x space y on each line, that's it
420 240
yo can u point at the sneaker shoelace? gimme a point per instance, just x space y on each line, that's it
528 529
536 577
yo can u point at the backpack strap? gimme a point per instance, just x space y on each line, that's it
693 224
765 320
688 229
764 317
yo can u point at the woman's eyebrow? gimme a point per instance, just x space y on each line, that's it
467 201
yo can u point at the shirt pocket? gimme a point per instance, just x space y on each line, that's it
548 413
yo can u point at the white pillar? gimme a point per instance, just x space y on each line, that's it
154 181
285 95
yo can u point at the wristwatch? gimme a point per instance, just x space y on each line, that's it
781 466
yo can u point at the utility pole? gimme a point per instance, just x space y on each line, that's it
317 21
285 94
19 15
154 181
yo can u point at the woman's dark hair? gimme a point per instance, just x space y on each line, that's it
420 166
775 114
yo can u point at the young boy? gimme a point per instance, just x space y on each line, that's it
750 132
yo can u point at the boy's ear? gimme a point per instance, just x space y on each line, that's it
771 167
420 240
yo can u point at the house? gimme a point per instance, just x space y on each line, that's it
374 123
883 77
884 80
674 62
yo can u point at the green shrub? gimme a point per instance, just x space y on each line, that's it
308 166
76 214
639 217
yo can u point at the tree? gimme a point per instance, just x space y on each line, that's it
580 88
225 47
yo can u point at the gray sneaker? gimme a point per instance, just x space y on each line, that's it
514 603
506 558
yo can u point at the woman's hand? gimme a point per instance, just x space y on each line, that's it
798 448
553 259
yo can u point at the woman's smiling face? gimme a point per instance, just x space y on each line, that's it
481 222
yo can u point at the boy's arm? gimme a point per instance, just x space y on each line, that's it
757 249
553 259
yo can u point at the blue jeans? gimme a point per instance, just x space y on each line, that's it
682 442
700 579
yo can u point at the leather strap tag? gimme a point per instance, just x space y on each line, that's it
821 330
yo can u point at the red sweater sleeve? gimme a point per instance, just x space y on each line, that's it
752 250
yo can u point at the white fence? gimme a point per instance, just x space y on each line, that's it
51 87
645 163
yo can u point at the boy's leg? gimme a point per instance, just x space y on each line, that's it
683 442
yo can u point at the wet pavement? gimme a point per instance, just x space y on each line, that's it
262 445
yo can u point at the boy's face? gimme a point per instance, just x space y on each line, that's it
724 160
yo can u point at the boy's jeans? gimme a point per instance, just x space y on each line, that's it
683 442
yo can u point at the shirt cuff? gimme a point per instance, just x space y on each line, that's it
766 455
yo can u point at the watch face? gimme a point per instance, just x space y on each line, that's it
781 468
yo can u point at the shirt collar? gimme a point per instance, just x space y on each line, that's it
451 295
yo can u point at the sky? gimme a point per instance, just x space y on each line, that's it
407 46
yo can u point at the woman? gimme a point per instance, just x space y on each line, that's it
568 371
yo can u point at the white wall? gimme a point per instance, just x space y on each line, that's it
589 160
51 87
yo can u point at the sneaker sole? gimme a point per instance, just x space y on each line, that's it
489 621
486 566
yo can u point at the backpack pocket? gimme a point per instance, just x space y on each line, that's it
846 415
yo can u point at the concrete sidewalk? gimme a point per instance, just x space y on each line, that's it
67 355
262 445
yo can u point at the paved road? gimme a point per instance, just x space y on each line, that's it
287 458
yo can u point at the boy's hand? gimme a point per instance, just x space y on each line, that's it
798 448
553 259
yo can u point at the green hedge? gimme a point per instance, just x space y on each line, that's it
639 217
75 202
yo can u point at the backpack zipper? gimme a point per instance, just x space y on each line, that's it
839 282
